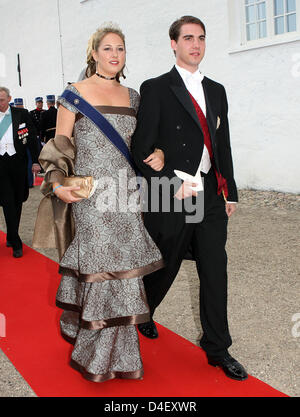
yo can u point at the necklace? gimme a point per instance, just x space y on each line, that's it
106 78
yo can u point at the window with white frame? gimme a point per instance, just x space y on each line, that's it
259 23
284 16
264 19
256 19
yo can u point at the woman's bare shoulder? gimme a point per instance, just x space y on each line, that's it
83 85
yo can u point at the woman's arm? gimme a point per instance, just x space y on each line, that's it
64 126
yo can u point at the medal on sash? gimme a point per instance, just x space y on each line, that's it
23 133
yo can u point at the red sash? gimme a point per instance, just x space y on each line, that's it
222 183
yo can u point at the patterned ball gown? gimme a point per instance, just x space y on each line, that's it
101 289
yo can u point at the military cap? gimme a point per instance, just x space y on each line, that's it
18 101
51 98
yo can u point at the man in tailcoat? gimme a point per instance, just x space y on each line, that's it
184 113
17 134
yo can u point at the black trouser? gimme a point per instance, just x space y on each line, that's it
13 178
207 240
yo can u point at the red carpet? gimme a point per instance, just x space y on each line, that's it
38 181
174 367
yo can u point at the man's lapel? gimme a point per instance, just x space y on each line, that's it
210 116
179 89
15 115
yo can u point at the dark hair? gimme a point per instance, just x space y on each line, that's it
175 28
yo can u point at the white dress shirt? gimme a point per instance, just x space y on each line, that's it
7 141
193 83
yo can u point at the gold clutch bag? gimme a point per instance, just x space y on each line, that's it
87 185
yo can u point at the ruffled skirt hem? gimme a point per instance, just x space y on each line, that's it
103 276
99 320
100 377
109 375
102 324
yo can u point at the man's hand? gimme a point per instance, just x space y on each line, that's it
230 208
156 160
36 168
186 191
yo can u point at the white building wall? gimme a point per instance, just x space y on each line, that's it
30 28
263 90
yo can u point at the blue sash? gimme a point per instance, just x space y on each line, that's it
101 122
4 125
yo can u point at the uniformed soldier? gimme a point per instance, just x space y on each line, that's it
36 117
48 120
18 102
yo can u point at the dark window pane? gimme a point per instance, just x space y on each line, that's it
251 32
262 29
279 25
250 14
278 7
291 22
262 11
291 6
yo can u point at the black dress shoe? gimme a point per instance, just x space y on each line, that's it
232 368
17 253
8 244
148 329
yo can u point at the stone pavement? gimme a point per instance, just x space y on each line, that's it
263 291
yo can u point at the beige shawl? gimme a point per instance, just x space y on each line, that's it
54 226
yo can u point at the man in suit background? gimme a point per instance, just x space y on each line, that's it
17 134
48 120
36 118
184 114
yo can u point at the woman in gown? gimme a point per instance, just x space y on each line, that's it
101 289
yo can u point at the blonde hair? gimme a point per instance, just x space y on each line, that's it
94 43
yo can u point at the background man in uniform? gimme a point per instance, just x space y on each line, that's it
48 120
19 103
17 134
36 118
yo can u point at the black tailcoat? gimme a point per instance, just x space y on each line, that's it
36 118
22 117
48 123
167 119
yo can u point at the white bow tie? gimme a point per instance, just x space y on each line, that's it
196 77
